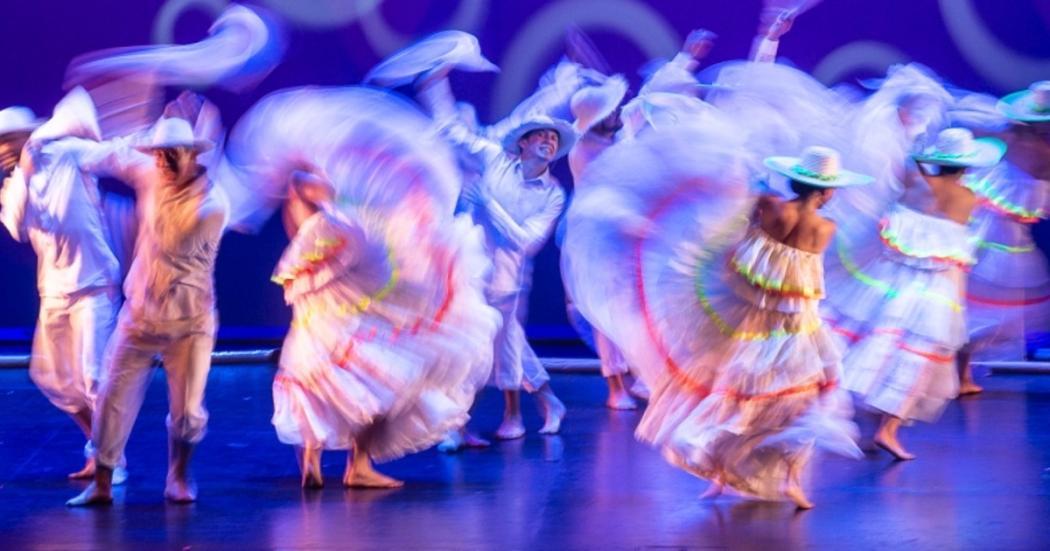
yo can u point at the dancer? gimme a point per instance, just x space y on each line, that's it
596 110
903 310
1008 291
52 203
170 306
748 411
517 202
391 335
728 338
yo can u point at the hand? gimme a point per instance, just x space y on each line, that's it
781 25
472 194
428 78
699 43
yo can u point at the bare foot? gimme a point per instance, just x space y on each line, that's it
798 497
87 472
969 388
120 476
620 400
712 491
178 490
369 479
310 467
891 445
511 428
553 413
472 440
92 496
639 390
452 443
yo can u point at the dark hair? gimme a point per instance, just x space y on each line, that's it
944 170
804 190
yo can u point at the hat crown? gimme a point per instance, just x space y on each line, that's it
821 162
1041 94
954 142
16 118
173 132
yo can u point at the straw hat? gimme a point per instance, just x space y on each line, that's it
958 147
1031 105
593 104
817 166
566 134
174 132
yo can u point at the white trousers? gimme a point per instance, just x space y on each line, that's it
516 364
69 347
185 349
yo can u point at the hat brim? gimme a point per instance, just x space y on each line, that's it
1018 106
200 146
454 48
566 136
27 128
987 152
785 166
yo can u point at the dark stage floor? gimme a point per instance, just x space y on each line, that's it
981 482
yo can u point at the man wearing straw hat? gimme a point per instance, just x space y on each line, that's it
51 203
170 307
517 201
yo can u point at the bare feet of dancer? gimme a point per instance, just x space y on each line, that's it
361 474
512 427
179 488
552 408
462 438
713 491
310 467
639 390
966 385
793 490
99 492
797 496
619 397
87 472
886 438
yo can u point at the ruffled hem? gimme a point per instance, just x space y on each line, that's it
899 373
887 294
749 446
777 269
926 242
1008 192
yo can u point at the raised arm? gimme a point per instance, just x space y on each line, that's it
435 94
696 47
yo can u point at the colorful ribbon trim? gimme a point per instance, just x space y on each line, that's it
885 288
774 285
990 198
893 241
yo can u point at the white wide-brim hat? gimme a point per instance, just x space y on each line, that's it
958 147
18 119
174 132
817 166
1031 105
566 134
593 104
456 48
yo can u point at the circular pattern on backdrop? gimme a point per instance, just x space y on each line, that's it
639 23
168 16
995 61
385 40
863 55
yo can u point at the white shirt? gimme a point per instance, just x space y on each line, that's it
172 275
58 210
517 215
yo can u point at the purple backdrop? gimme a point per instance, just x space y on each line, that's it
988 45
